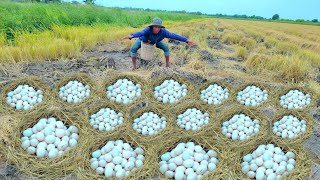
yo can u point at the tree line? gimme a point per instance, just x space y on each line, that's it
275 17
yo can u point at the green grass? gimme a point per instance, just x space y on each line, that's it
32 17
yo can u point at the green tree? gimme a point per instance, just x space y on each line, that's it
315 20
89 1
276 17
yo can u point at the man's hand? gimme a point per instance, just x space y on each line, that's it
128 37
191 43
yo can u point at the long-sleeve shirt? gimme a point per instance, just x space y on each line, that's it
147 34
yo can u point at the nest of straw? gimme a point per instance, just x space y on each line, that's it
151 139
93 143
302 137
32 166
302 167
84 79
114 76
227 114
305 90
204 108
262 86
32 81
221 83
225 156
94 108
158 81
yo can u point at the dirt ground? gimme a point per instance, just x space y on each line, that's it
116 56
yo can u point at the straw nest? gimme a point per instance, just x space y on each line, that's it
262 86
228 113
158 81
301 88
93 143
221 83
32 81
94 108
204 108
114 76
225 156
151 139
81 77
302 167
32 166
302 137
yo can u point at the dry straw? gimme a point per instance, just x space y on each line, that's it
302 137
32 166
85 80
228 113
151 139
221 83
204 108
225 156
32 81
114 77
302 167
158 81
304 90
94 143
262 86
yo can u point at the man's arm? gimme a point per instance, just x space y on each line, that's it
141 33
175 36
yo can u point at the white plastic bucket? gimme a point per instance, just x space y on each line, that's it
147 51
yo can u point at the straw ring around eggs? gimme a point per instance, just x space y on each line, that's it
33 82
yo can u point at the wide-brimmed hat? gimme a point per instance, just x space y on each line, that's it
157 22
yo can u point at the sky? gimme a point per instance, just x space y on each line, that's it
287 9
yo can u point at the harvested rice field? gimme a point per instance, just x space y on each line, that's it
242 104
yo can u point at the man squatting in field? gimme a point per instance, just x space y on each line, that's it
154 34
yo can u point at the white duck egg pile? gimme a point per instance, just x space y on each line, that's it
268 162
240 127
252 96
214 94
74 92
289 127
295 99
149 123
117 159
170 91
49 138
24 97
106 119
124 91
192 119
188 161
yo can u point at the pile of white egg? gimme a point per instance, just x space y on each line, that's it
214 94
170 91
295 99
252 96
188 161
289 127
268 162
24 97
149 123
74 92
49 138
193 119
106 119
124 91
117 159
240 127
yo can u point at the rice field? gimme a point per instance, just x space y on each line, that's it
77 68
